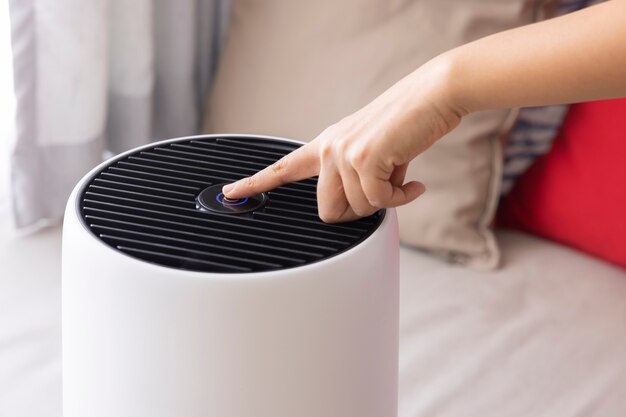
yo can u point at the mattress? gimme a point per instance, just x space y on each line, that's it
543 336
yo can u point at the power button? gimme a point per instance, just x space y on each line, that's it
213 199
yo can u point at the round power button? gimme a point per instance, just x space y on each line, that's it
213 199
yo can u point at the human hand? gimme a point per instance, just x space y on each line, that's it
362 160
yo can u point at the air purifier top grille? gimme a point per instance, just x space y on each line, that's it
145 204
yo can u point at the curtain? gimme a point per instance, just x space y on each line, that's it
102 75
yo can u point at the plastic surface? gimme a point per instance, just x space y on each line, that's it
139 339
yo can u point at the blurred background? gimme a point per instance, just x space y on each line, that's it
513 298
7 104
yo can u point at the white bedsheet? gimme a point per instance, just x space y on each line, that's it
545 336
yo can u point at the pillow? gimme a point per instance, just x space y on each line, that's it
530 138
576 194
292 68
535 127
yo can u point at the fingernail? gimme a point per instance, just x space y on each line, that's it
228 188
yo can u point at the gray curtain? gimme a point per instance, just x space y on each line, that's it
98 75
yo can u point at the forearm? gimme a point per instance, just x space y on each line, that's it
577 57
362 159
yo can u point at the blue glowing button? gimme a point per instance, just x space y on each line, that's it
212 199
230 202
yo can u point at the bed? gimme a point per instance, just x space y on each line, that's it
543 336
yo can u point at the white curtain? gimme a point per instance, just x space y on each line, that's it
102 75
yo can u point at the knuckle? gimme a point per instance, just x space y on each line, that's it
327 217
376 203
326 150
375 195
358 157
329 132
333 130
324 217
360 211
279 167
337 147
342 146
345 148
250 182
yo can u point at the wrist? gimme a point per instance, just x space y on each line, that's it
434 88
452 97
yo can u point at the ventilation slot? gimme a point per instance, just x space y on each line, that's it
144 204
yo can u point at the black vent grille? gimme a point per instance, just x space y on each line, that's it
143 204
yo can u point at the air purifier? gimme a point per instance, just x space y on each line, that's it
178 302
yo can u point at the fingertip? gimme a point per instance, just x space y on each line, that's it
229 189
421 188
412 190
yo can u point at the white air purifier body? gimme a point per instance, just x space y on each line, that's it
172 310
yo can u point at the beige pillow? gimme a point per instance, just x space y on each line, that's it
292 68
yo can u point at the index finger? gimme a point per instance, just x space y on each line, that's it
297 165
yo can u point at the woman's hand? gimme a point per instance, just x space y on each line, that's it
362 160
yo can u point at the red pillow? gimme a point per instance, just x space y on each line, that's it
576 194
